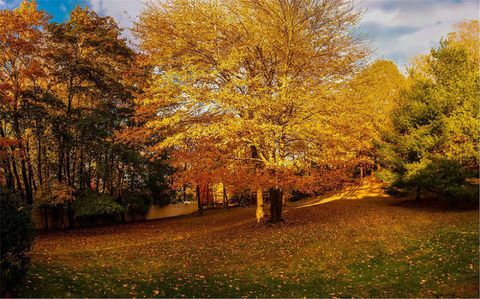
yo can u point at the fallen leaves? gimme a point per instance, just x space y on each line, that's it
342 248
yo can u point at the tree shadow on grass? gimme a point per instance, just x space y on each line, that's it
435 204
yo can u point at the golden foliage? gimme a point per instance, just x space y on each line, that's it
257 82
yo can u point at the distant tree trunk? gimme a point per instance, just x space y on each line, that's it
26 182
225 197
71 221
45 217
9 180
207 195
81 176
361 172
260 212
17 178
275 205
417 193
60 159
199 200
31 179
184 193
39 155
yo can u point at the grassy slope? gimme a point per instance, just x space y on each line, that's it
373 247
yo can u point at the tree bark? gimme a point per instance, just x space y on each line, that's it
184 193
199 200
9 180
417 193
71 220
225 197
45 217
275 205
260 213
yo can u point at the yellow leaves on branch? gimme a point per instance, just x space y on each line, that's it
239 74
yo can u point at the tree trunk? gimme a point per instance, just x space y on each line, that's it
184 193
225 197
275 205
17 178
71 220
417 193
39 163
9 179
260 212
26 182
60 160
199 200
45 217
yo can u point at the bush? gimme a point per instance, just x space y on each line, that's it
53 193
91 203
449 179
17 233
136 202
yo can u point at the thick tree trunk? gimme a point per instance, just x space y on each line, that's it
199 200
275 205
259 212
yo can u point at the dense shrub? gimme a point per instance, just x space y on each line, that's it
53 193
16 239
447 178
91 203
135 202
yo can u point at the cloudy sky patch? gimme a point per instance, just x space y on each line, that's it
397 29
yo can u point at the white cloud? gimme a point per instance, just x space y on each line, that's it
401 30
398 29
9 4
124 12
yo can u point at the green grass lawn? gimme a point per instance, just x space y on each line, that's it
374 247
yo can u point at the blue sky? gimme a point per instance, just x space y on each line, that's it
397 29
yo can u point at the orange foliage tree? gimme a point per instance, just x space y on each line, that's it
260 80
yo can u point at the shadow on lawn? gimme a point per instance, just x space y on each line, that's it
435 204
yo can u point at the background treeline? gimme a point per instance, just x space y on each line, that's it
65 89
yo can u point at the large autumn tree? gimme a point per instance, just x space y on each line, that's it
258 79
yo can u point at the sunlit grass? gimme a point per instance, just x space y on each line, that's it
368 247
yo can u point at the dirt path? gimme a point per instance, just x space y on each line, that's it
369 187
